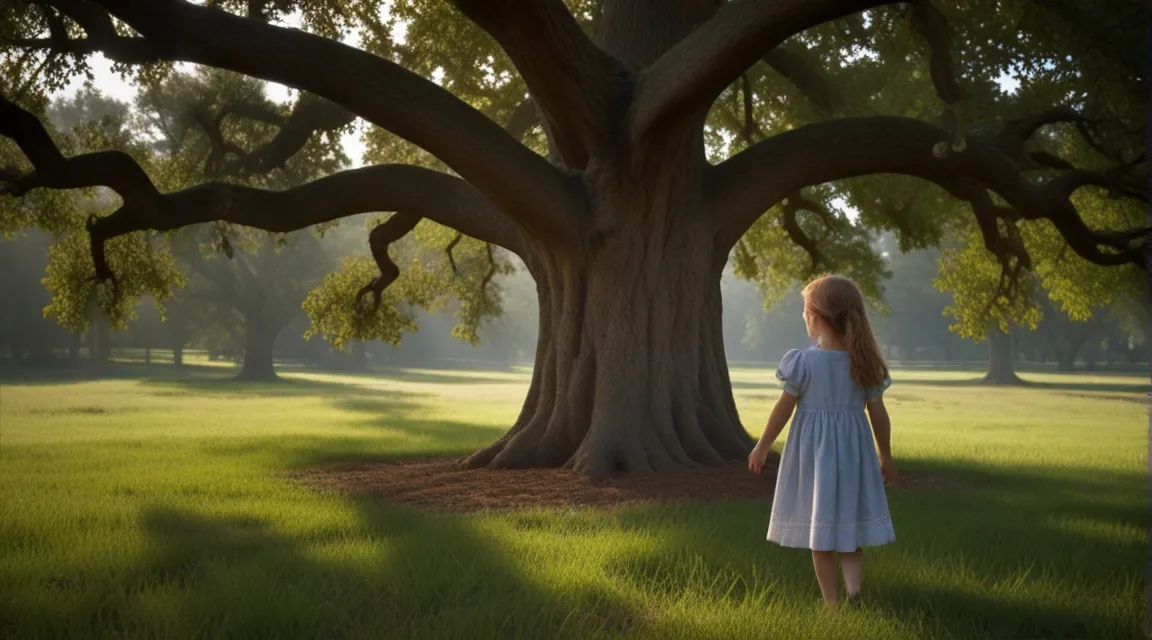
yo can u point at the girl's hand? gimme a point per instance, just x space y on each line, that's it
757 457
888 470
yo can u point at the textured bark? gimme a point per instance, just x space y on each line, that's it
1000 362
630 370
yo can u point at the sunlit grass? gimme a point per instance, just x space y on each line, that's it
157 507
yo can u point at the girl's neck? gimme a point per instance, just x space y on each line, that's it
832 344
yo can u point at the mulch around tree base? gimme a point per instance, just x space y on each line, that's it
443 486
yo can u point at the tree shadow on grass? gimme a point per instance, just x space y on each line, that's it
37 376
465 376
286 387
215 377
391 573
383 426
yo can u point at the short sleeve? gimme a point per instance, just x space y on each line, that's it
792 373
875 393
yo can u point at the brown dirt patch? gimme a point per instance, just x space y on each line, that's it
442 485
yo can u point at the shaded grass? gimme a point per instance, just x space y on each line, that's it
157 508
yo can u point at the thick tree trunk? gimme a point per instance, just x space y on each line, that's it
259 340
1001 370
630 371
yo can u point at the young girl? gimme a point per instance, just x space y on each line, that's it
830 488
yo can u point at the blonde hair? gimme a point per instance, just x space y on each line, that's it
839 302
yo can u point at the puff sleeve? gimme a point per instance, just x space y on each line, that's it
875 393
792 373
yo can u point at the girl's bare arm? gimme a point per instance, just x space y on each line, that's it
776 421
780 415
881 426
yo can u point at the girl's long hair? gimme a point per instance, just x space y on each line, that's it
839 302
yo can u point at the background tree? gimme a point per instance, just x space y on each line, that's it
25 334
627 223
263 284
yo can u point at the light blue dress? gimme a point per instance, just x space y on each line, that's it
829 491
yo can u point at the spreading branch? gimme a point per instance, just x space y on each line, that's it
798 69
1015 135
438 196
693 73
751 129
521 183
396 227
573 81
311 115
752 181
52 170
796 233
448 250
927 21
381 237
100 30
491 271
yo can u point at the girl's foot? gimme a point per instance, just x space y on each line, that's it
853 600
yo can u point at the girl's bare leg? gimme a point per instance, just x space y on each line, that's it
825 564
852 564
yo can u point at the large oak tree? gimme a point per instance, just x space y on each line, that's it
670 135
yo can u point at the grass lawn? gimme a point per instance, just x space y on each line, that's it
147 506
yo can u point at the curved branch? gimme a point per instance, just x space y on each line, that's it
448 250
1015 134
691 74
515 179
113 169
749 183
422 192
384 234
381 237
1024 128
426 193
491 272
751 129
810 80
796 232
310 116
933 27
573 81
